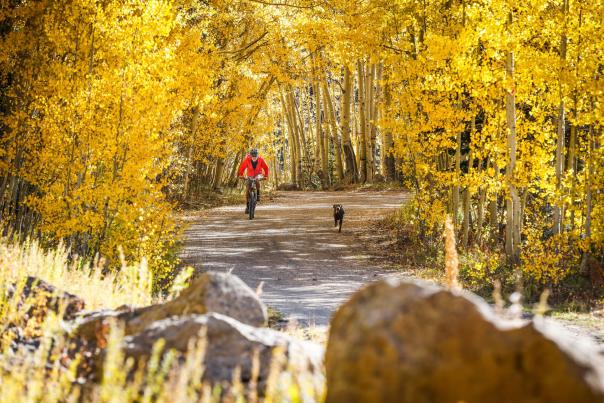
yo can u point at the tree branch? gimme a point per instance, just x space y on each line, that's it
283 4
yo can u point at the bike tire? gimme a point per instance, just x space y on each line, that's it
252 205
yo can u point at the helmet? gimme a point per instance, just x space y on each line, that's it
254 152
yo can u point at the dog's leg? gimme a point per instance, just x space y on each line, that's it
340 229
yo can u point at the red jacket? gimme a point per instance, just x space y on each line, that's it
247 165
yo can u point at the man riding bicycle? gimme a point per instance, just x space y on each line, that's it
254 165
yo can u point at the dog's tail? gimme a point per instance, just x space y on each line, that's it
340 228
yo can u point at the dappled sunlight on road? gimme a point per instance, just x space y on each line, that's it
307 267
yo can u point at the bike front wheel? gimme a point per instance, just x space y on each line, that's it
252 206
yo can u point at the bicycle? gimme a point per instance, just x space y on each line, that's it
250 182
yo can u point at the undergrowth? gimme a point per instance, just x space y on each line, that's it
210 198
49 373
481 265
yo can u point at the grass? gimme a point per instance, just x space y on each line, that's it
194 209
51 373
375 186
211 198
587 323
278 321
316 334
100 289
394 243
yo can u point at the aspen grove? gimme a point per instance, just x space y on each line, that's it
112 113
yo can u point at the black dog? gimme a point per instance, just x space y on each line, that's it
338 215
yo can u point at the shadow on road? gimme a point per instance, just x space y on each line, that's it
307 267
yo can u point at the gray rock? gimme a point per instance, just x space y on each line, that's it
412 342
227 294
211 292
230 345
40 297
35 299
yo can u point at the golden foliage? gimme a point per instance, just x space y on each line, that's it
108 106
111 109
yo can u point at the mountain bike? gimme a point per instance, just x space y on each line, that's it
250 183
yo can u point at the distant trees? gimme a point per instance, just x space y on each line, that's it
489 112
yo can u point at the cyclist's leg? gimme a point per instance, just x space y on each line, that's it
257 190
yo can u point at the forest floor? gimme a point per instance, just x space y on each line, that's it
305 267
426 264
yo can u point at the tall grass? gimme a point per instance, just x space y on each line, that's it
48 373
99 288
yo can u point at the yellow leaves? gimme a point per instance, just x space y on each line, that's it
100 115
542 259
111 99
451 78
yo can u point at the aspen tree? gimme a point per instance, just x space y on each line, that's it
334 130
319 134
560 147
369 130
388 161
512 201
362 133
291 141
351 164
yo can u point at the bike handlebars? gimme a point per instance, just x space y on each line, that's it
256 178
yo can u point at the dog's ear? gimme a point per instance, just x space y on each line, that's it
335 205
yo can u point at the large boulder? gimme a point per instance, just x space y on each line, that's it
411 342
211 292
231 345
34 299
38 297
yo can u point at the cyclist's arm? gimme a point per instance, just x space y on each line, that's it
264 168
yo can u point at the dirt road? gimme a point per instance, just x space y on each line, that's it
307 267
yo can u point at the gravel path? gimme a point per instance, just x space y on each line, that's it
307 268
